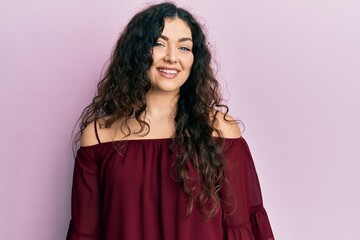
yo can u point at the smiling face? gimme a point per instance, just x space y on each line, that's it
172 57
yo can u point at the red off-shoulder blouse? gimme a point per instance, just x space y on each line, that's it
130 194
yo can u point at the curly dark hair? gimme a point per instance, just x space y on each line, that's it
121 95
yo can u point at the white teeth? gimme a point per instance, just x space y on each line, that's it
168 71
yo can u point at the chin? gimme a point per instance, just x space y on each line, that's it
167 87
166 90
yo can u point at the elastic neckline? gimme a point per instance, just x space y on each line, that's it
153 140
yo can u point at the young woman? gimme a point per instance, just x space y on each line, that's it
158 159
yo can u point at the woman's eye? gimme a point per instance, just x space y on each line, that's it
159 44
185 49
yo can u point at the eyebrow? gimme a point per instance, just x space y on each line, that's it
180 39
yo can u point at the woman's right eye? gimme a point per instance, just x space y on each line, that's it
159 44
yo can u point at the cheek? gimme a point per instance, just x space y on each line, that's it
151 72
188 61
157 54
191 62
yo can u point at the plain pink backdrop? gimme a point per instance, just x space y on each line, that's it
291 70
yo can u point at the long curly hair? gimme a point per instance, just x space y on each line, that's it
121 95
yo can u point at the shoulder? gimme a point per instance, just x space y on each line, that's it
227 126
89 136
96 132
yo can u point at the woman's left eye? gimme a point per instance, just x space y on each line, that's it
185 49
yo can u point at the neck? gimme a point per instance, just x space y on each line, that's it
161 104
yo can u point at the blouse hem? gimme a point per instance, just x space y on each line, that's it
258 227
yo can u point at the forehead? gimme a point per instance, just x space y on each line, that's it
176 28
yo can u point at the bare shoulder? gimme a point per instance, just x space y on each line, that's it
93 135
227 125
88 136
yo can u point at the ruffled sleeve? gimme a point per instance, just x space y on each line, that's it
244 215
85 221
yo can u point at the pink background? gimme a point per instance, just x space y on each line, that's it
292 70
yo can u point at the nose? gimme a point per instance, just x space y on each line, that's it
171 55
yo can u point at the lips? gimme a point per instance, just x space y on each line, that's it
168 72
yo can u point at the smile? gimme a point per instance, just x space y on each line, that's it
168 73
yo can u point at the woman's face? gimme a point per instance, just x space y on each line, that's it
172 57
